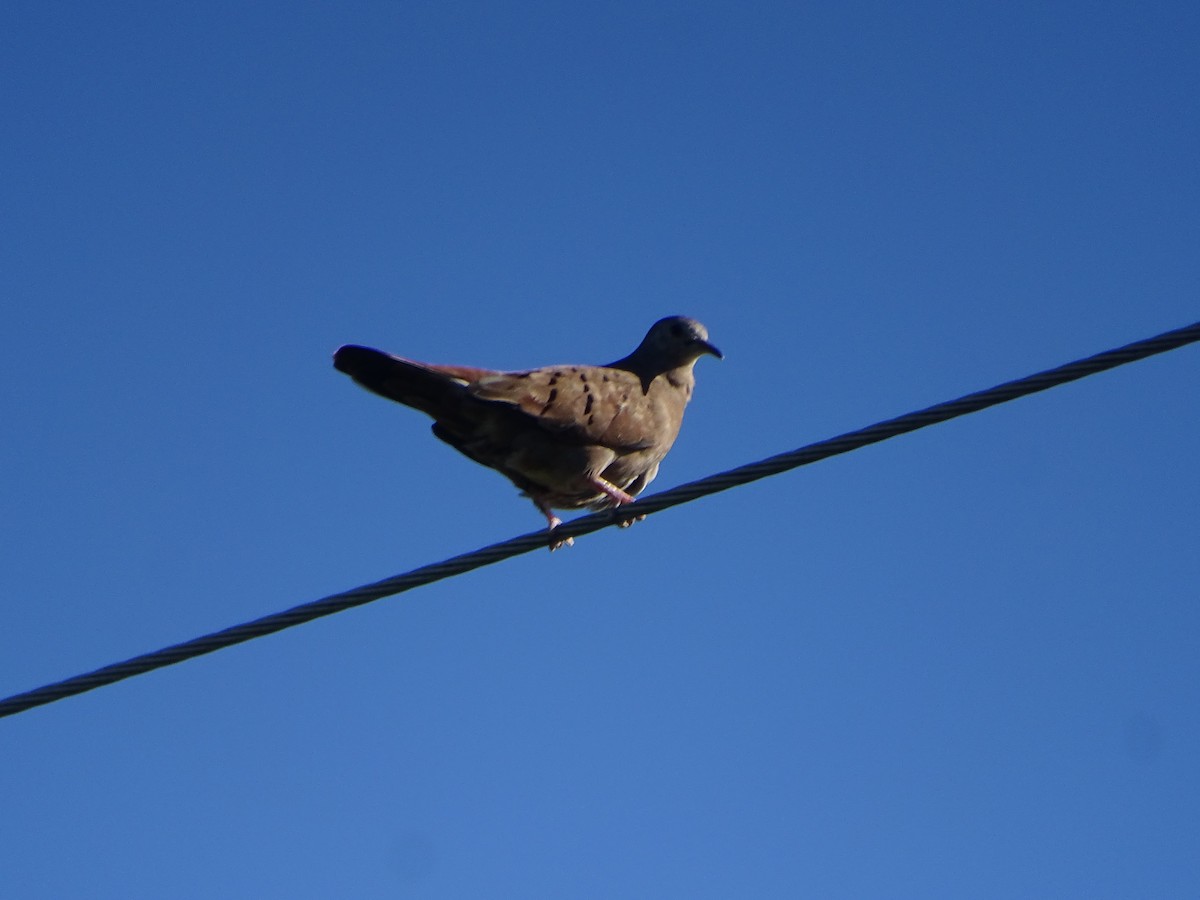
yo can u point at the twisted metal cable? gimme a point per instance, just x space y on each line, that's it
684 493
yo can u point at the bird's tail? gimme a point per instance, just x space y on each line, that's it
436 393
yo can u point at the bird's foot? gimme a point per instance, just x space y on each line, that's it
553 521
618 497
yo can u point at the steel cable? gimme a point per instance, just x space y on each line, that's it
684 493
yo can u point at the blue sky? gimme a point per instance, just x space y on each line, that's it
965 662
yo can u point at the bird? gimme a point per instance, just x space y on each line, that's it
569 436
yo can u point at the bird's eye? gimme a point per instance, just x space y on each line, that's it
677 330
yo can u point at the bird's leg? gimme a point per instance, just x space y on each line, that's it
618 496
553 522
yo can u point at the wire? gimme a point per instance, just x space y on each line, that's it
685 493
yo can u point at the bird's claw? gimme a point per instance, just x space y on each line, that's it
565 542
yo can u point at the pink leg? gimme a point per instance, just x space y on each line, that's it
553 522
619 497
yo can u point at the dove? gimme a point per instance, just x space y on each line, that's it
569 436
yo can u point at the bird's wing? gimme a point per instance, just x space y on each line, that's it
590 404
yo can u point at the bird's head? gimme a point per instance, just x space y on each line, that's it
677 341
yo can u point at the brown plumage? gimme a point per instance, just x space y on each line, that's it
569 437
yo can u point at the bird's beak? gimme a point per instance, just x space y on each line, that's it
706 347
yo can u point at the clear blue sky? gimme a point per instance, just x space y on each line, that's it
963 663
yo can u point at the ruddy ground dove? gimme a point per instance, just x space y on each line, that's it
569 437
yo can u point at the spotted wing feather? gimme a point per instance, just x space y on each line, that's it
584 403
